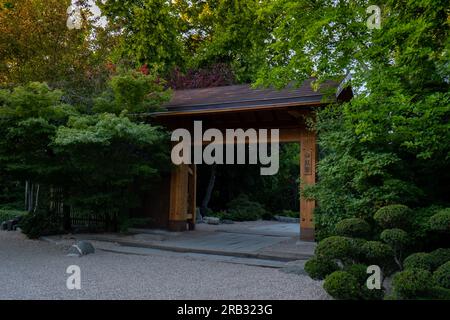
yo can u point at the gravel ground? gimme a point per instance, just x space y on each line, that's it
37 270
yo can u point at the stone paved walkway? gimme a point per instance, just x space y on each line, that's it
258 239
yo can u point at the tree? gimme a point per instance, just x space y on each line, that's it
149 31
133 92
390 143
110 160
37 46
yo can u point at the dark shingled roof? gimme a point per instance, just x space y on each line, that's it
242 97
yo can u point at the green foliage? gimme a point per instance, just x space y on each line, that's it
36 45
393 216
40 223
412 283
439 256
336 247
7 214
106 154
378 253
342 285
132 92
353 227
359 271
150 33
243 209
319 268
420 260
440 221
442 275
396 238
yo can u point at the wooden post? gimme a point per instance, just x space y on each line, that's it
179 185
308 160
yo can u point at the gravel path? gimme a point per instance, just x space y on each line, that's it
37 270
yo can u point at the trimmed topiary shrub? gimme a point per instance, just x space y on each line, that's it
319 268
342 285
378 253
396 238
418 260
442 276
359 271
440 221
353 227
336 247
412 283
439 257
393 216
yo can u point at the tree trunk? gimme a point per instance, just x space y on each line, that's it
209 189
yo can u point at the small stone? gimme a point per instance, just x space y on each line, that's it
81 248
211 220
227 221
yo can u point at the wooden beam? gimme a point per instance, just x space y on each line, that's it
308 160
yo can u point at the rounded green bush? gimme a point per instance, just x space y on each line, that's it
439 257
353 227
412 283
318 268
420 260
442 276
359 271
440 221
342 285
393 216
378 253
396 238
335 247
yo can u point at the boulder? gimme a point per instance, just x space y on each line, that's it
4 226
81 248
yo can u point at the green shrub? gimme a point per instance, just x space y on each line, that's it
40 223
439 257
439 293
342 285
393 216
396 238
8 214
378 253
319 268
418 260
336 247
412 283
353 227
442 276
359 271
440 221
243 209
